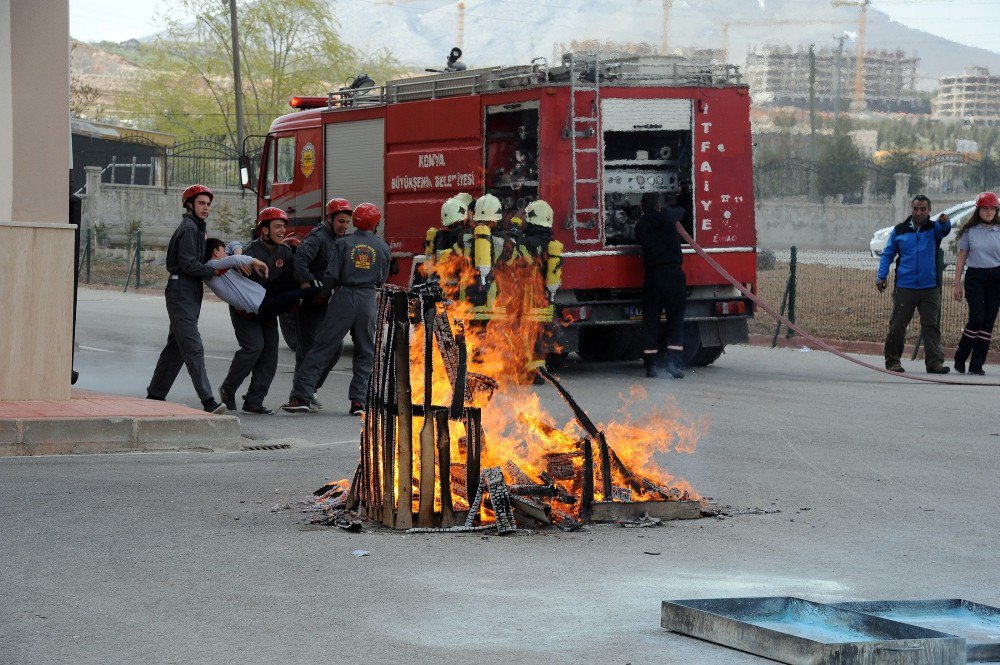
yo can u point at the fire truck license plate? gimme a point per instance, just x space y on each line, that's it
633 312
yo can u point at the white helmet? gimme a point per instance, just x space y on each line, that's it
488 209
465 199
539 213
453 211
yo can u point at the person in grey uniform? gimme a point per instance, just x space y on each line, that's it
309 265
185 262
979 250
360 264
257 356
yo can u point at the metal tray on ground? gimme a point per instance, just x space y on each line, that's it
978 624
801 632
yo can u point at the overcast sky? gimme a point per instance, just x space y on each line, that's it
966 21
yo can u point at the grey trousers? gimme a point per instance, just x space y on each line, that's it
257 356
308 320
183 296
904 302
350 310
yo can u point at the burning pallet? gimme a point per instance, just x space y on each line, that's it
421 463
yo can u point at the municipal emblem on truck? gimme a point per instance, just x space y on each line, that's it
307 161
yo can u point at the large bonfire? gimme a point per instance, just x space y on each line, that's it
553 468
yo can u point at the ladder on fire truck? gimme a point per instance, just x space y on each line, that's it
585 144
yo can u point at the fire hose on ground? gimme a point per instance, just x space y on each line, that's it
815 340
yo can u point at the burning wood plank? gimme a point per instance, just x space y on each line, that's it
425 516
444 467
404 416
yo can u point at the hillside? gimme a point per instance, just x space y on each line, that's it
497 32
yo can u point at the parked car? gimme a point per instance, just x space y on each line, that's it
958 213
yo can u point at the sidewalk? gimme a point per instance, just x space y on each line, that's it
92 422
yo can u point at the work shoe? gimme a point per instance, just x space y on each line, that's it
256 409
297 405
938 369
316 404
227 398
959 366
894 367
650 364
357 408
978 371
158 399
211 406
673 368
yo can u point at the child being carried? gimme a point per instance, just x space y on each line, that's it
244 294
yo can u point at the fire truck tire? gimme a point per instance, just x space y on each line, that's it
555 361
695 354
610 343
289 329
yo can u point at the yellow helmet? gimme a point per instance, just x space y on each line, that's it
539 213
488 209
453 211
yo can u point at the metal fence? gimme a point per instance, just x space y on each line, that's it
210 163
833 296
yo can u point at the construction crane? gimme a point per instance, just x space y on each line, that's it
859 59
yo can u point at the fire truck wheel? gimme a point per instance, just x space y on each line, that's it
555 361
610 343
289 329
696 354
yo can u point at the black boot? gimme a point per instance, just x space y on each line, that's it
674 364
649 362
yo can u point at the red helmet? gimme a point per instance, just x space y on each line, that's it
268 214
195 190
988 200
366 217
333 206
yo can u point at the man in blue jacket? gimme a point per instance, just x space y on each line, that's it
914 245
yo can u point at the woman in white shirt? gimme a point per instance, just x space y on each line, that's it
979 251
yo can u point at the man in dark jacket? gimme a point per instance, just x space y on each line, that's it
185 256
257 356
914 245
664 286
310 262
359 266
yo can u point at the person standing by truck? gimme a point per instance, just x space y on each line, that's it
664 286
915 241
183 294
979 249
257 336
360 264
309 265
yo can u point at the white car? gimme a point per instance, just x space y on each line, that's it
958 213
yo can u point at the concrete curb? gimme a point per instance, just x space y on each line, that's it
61 436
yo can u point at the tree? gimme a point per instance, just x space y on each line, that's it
897 161
287 47
838 170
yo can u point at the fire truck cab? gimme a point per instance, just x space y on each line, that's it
590 136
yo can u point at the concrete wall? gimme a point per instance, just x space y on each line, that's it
123 207
782 223
36 306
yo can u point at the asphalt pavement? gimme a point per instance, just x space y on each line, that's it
885 489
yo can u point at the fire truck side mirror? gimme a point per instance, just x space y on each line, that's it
244 172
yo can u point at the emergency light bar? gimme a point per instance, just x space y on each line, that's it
307 102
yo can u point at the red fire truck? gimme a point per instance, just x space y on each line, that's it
589 136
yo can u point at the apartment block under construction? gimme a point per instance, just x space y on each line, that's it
971 97
779 76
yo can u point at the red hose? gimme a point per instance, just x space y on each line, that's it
815 340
